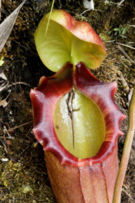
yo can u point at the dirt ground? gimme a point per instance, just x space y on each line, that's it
23 175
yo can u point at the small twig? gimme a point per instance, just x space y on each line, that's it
121 2
125 54
9 138
19 126
84 12
132 26
126 45
124 83
124 189
109 41
69 102
18 83
5 131
126 151
4 146
14 84
22 152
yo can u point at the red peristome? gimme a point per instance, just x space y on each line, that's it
103 95
80 29
45 97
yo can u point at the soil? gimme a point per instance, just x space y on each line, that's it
23 175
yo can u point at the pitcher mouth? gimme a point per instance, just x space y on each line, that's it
51 90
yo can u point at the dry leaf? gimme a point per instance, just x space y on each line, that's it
88 4
3 103
7 25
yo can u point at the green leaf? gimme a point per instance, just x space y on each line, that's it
57 45
88 53
54 48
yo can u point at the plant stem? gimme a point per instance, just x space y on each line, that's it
126 152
